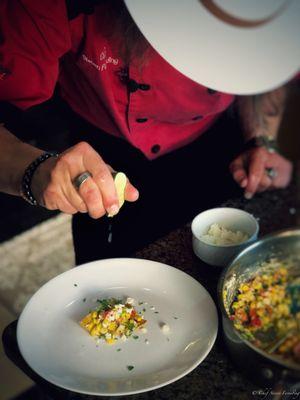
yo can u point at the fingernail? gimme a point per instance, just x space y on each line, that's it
248 195
243 183
113 210
136 194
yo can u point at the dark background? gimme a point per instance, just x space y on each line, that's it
46 127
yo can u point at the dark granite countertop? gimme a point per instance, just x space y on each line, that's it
216 377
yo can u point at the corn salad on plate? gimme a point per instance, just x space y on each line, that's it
113 320
117 326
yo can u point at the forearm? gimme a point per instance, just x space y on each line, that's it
15 156
262 114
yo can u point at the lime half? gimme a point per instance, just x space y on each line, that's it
120 180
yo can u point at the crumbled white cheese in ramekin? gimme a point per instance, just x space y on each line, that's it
220 235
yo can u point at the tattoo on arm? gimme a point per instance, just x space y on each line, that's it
262 114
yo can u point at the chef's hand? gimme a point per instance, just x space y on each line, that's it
53 183
249 171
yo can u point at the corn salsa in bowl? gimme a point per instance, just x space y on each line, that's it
265 310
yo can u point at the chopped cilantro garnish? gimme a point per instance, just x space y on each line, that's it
135 337
156 312
144 309
75 284
119 349
84 300
140 303
175 317
130 367
129 325
107 304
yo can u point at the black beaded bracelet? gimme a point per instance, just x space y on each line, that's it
25 191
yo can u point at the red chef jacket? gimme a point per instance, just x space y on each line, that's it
152 106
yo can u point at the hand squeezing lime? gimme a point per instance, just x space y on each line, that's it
120 180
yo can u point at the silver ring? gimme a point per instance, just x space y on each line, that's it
78 181
271 173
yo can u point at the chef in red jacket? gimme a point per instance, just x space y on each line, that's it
148 98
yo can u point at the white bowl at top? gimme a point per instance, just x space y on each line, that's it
229 218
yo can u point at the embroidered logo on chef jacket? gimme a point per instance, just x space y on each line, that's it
107 59
104 60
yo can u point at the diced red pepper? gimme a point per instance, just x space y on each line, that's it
133 314
241 315
256 321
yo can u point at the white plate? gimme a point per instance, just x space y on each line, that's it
58 349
